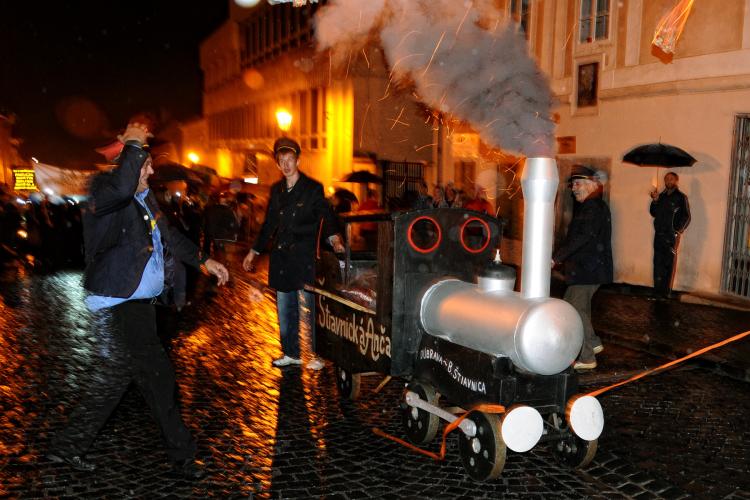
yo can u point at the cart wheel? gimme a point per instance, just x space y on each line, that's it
483 455
572 451
421 426
348 383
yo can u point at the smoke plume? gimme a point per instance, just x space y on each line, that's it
463 59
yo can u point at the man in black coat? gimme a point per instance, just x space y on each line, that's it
130 257
586 256
671 212
298 216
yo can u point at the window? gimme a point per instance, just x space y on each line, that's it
588 76
520 11
594 24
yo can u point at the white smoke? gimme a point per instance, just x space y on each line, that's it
463 58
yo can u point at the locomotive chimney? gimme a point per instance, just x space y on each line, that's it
539 184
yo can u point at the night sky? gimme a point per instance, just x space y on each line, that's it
74 72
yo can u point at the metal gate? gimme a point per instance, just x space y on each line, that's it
399 177
736 267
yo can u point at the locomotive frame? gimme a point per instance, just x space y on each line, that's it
415 250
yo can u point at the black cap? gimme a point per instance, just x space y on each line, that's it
285 144
581 172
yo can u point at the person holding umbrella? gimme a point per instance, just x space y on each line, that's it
671 212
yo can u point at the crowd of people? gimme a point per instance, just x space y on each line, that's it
40 231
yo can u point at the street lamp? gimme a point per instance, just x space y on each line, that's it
284 119
194 158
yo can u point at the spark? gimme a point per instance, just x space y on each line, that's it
398 118
364 121
347 64
366 59
420 148
433 53
462 20
404 38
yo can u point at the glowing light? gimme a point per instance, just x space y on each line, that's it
49 191
22 234
193 157
247 3
284 119
33 158
251 180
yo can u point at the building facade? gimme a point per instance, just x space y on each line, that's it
613 91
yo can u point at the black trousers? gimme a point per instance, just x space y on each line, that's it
133 354
665 249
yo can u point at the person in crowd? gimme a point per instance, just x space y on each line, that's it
438 197
479 203
452 196
297 216
586 256
369 230
221 228
130 251
671 212
424 200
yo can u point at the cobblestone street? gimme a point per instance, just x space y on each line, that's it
269 433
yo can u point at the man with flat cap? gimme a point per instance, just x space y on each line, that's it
297 212
586 255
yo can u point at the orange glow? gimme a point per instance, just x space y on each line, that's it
284 119
339 131
670 27
224 159
193 157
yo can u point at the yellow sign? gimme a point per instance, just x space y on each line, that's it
24 180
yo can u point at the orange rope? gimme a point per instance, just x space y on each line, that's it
488 408
670 364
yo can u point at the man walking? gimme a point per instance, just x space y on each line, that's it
586 256
671 212
292 227
130 259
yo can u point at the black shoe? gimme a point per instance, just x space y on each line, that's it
76 461
188 469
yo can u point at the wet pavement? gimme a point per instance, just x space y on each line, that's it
270 433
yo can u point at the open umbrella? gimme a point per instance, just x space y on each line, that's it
362 177
659 155
166 172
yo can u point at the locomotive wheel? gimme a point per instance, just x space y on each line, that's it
421 426
573 451
483 455
348 383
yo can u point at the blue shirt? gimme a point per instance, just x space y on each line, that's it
152 280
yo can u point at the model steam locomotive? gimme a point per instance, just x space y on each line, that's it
430 305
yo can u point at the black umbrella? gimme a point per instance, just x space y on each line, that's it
362 177
659 155
166 172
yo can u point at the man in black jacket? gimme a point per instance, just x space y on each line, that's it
298 215
130 257
671 212
586 256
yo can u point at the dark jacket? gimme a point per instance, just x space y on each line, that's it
671 212
586 252
117 232
290 231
